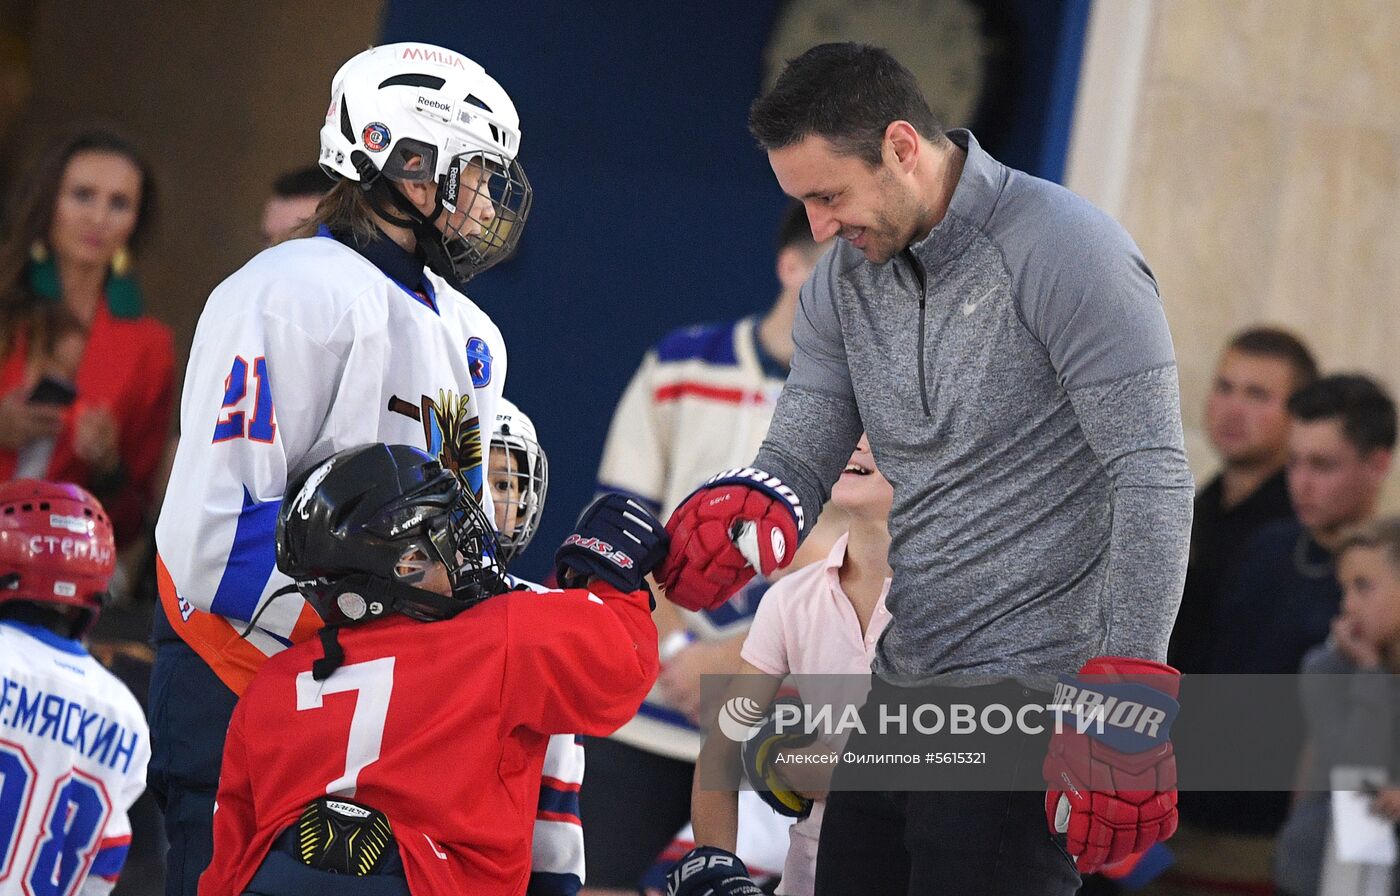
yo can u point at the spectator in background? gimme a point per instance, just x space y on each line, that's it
700 402
87 378
1247 424
1279 599
1277 602
294 198
1365 641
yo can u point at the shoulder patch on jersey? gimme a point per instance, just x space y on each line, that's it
479 360
711 342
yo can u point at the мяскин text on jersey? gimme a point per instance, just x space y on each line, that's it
68 722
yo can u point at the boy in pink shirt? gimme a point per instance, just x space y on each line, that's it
824 619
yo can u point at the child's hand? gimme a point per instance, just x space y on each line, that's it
1347 636
1386 803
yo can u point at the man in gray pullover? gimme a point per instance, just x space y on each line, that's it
1003 343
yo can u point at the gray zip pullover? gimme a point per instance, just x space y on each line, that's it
1016 376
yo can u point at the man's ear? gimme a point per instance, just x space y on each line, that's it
1378 463
902 146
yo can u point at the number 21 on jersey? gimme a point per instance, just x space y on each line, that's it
233 420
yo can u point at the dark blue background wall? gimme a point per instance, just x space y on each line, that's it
653 208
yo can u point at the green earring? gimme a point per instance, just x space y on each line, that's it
123 293
43 273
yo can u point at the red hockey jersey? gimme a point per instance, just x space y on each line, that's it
441 726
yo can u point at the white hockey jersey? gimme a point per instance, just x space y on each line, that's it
73 754
308 349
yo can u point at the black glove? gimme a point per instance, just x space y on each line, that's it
616 540
707 871
760 752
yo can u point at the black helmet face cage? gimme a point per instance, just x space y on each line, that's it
517 492
439 522
476 570
442 523
485 201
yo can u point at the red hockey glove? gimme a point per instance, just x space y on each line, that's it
1112 788
740 522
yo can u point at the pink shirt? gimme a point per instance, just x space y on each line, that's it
807 626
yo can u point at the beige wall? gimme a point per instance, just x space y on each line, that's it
222 96
1262 175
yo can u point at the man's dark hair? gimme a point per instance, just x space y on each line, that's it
310 181
795 231
1281 345
847 93
1364 409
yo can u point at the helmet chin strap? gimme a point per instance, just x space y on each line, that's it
380 597
382 195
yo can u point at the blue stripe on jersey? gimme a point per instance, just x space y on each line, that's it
543 883
666 715
561 802
53 639
739 608
109 861
713 343
250 561
602 488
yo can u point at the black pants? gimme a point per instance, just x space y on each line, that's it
968 843
283 874
189 713
929 842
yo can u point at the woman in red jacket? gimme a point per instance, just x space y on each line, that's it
86 379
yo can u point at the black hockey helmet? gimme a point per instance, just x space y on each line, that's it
358 531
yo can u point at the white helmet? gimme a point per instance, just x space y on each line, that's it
416 112
527 468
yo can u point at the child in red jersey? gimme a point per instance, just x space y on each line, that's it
395 757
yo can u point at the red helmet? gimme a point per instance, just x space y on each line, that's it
55 546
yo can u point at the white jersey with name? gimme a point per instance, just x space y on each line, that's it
307 350
73 754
